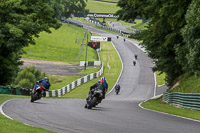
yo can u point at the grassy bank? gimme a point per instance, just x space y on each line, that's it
101 7
63 44
187 84
160 78
13 126
166 108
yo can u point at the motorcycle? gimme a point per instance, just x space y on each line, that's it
37 93
94 98
117 90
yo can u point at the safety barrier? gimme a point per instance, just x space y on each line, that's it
113 29
184 100
76 83
14 90
72 23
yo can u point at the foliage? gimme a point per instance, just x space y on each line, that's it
27 77
20 21
163 34
74 6
189 54
65 8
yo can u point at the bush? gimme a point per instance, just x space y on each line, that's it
27 77
25 83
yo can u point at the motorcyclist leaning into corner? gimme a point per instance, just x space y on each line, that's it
102 84
44 83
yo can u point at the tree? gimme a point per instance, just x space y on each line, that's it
57 6
163 33
191 34
74 6
20 20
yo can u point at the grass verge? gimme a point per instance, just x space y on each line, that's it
101 7
160 78
157 105
13 126
187 84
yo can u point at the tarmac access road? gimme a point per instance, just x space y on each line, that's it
116 114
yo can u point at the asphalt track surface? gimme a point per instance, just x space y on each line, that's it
116 114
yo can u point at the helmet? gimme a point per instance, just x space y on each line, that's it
46 79
103 78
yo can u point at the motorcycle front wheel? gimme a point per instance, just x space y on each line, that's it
34 96
92 102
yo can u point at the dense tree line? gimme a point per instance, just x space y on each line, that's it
172 38
20 21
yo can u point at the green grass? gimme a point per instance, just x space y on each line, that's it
63 44
160 78
58 81
162 107
112 69
101 7
89 70
187 84
13 126
141 26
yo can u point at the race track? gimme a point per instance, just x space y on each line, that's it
116 114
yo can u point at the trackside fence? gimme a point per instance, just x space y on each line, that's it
74 84
183 100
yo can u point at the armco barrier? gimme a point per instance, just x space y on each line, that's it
76 83
184 100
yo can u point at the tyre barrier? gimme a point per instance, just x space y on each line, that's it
74 84
183 100
15 91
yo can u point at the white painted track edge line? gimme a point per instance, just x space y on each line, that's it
1 109
155 84
2 112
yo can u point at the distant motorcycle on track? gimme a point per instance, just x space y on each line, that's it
117 89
